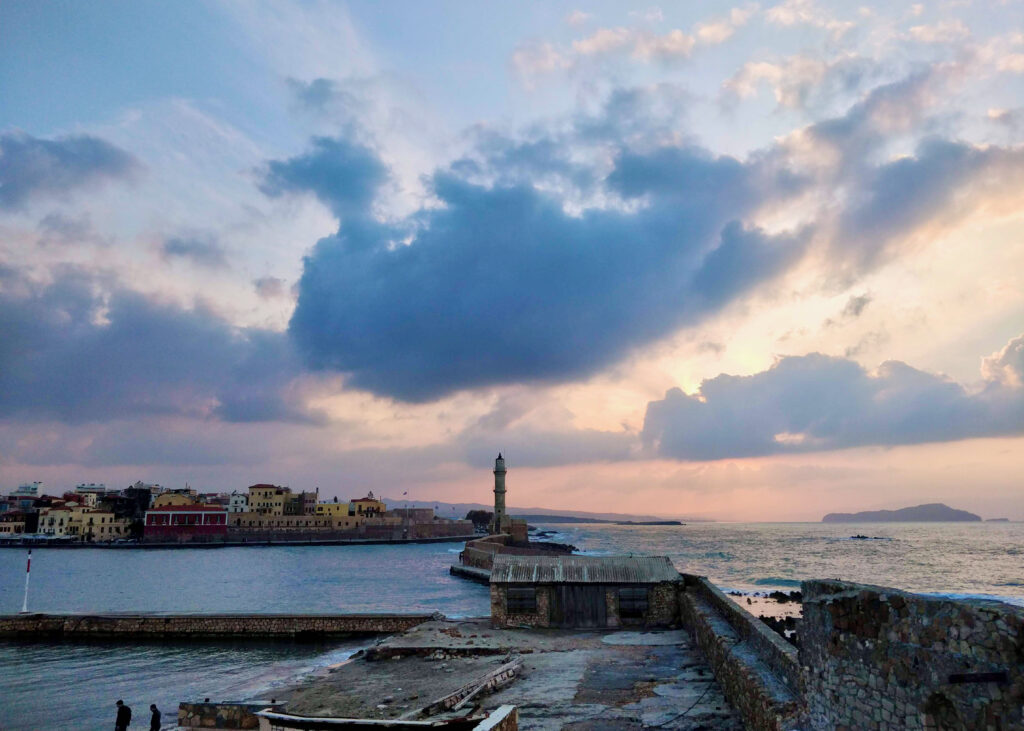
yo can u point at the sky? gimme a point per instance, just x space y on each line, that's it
717 260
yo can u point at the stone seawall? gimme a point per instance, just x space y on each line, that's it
32 626
758 671
236 541
879 658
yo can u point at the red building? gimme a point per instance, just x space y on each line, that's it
184 523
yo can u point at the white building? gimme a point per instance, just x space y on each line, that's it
98 489
29 489
238 502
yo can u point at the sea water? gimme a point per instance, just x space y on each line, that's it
73 685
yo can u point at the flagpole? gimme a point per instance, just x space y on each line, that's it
28 573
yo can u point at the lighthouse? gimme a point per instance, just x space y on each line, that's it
500 519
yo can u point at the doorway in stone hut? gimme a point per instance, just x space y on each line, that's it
579 606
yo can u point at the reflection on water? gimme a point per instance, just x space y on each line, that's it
73 685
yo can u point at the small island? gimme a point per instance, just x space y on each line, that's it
929 513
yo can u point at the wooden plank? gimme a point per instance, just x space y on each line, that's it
488 682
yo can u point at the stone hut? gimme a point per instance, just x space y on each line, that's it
604 592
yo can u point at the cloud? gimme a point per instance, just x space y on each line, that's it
82 348
269 287
532 263
718 31
807 12
500 284
1006 367
946 31
344 175
63 230
538 58
200 250
31 167
819 403
941 183
801 81
577 18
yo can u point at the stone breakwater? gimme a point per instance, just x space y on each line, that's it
879 658
758 671
45 626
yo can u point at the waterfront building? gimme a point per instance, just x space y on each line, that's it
366 506
333 510
166 499
99 525
318 523
12 524
88 499
300 503
238 502
184 523
55 521
268 499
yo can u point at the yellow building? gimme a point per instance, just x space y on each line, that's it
83 523
366 507
56 521
258 522
268 499
332 509
172 498
99 525
12 527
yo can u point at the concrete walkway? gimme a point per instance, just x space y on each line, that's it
570 680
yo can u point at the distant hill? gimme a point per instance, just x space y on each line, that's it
930 513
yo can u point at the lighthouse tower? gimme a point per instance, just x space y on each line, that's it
500 518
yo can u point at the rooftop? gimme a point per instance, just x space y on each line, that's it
582 569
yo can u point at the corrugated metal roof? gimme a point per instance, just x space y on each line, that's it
510 569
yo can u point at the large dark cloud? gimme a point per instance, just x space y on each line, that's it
33 167
81 348
550 256
815 402
500 284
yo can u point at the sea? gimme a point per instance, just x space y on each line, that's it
73 685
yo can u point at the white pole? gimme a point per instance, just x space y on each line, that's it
28 572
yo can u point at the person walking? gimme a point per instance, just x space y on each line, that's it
124 716
154 722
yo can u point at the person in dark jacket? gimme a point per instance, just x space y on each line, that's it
124 717
154 722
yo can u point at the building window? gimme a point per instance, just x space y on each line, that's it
521 600
632 602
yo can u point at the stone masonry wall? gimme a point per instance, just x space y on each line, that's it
758 671
499 618
878 658
204 625
222 715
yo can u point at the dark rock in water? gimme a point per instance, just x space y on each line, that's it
931 512
786 627
784 597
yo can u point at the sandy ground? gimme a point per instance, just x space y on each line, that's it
569 679
759 605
